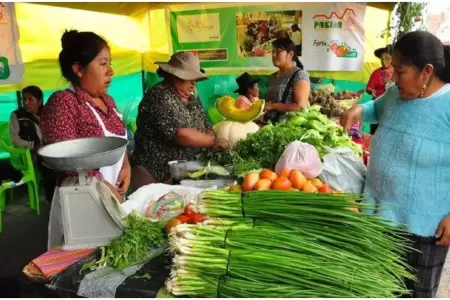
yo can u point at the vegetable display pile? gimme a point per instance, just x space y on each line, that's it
295 245
308 125
285 181
263 149
132 247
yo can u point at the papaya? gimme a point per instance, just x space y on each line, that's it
226 107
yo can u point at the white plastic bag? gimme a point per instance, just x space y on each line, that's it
301 157
145 196
343 170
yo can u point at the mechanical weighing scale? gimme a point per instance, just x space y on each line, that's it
91 214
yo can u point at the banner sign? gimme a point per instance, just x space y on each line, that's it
11 66
328 36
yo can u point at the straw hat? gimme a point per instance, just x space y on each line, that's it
183 65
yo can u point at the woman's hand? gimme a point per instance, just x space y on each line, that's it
113 190
268 106
351 117
123 181
220 143
443 232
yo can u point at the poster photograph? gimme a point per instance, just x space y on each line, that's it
255 31
11 67
198 28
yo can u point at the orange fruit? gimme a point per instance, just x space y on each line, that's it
281 184
297 179
268 174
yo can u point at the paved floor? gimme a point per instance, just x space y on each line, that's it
24 237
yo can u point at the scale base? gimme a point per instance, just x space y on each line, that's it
86 222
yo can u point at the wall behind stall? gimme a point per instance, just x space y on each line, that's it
41 27
223 82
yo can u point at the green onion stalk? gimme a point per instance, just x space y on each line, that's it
275 256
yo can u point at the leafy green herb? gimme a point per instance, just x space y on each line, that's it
139 237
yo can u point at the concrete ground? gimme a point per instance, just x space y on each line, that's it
24 237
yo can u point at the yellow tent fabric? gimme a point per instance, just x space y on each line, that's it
41 27
138 34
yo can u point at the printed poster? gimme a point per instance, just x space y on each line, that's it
327 36
11 67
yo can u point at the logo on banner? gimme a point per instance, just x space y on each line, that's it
346 20
339 49
5 72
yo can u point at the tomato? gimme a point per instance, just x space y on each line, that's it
284 173
263 184
183 218
187 211
282 184
250 181
172 224
325 189
197 218
297 179
268 174
309 188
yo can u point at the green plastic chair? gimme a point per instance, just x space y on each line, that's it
214 115
22 161
133 127
4 188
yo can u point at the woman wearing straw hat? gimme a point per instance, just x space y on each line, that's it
171 124
248 91
381 78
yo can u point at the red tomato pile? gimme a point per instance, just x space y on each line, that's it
188 216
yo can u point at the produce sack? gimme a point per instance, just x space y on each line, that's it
343 170
300 157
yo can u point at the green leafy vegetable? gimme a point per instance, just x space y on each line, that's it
133 246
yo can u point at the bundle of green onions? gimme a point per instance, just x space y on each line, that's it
296 245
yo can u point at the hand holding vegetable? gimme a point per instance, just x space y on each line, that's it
351 117
443 232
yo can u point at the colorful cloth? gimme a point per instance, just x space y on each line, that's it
54 261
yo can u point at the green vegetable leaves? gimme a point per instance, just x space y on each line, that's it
263 148
133 246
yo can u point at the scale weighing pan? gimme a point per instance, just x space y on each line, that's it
86 153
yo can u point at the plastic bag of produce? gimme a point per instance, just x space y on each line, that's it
343 170
158 202
300 157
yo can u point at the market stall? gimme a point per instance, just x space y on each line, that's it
287 194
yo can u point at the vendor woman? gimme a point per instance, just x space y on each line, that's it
287 89
381 77
171 124
248 91
85 110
